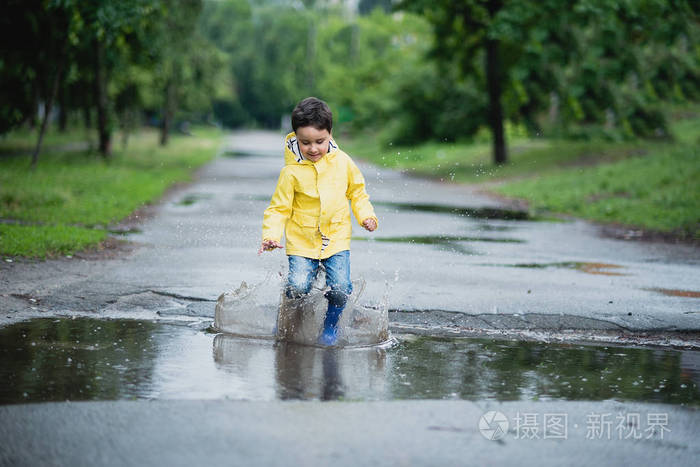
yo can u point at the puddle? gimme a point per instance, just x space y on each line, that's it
438 239
239 197
125 231
676 292
604 269
234 153
192 198
445 242
478 213
248 153
496 228
88 359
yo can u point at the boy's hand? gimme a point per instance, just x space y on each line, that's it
369 224
268 245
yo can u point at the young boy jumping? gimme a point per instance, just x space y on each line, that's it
310 206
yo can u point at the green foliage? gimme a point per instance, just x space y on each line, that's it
33 35
114 60
386 58
185 59
590 67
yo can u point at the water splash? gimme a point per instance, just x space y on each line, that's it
245 312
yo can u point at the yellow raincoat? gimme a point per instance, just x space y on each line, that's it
310 203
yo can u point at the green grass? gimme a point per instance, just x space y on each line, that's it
40 241
647 184
79 190
23 141
465 162
659 192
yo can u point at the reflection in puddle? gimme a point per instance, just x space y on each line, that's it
249 153
479 213
496 228
250 197
445 242
589 268
125 231
81 359
192 198
440 239
306 372
84 359
234 153
677 292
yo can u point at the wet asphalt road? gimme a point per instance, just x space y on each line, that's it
443 272
479 273
400 433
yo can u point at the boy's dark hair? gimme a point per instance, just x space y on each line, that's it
312 112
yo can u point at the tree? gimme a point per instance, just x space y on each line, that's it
590 61
35 53
175 54
464 29
116 32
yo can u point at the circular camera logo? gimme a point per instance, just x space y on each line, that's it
493 425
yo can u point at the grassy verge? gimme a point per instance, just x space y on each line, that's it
23 141
659 192
40 241
649 185
66 204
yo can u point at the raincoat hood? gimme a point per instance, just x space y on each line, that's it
310 204
292 152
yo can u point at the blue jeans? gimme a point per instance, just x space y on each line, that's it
302 272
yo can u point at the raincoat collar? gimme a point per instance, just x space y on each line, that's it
292 152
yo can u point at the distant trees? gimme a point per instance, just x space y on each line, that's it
439 69
444 69
609 62
109 60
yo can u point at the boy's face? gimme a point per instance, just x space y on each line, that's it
313 142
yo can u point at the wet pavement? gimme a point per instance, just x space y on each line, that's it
87 391
439 247
490 309
396 433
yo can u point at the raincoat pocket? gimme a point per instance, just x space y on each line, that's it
341 228
305 220
303 236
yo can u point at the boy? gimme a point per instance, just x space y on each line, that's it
310 205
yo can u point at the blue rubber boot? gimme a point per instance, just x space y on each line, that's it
329 336
336 304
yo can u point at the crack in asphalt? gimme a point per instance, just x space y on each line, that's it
488 318
178 296
26 297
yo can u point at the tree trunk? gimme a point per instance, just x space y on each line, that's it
103 130
493 83
47 110
62 111
168 112
62 107
87 119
